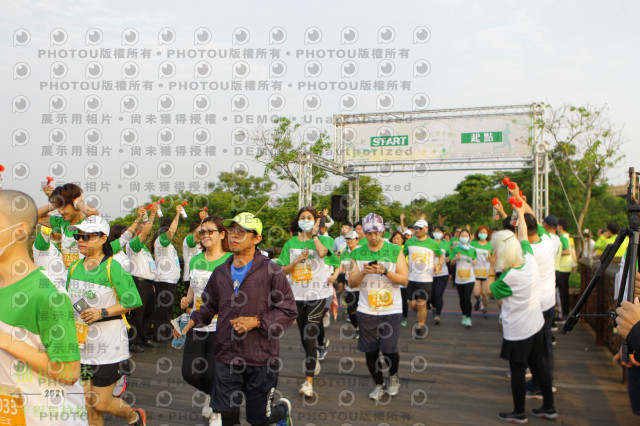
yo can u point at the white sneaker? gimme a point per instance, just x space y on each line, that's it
326 321
394 385
378 392
306 389
207 411
215 419
318 368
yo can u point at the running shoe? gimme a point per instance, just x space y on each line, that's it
120 387
215 419
326 321
286 405
207 411
420 332
545 413
485 314
513 418
323 350
394 385
468 323
378 392
404 322
142 417
306 389
476 306
436 319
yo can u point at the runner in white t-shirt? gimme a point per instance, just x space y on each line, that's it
522 321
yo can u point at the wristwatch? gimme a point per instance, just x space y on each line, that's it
386 271
314 235
104 313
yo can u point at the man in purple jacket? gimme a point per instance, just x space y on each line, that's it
255 305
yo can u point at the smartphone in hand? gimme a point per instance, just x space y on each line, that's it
81 305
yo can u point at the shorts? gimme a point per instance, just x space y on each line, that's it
379 332
418 290
258 383
481 279
101 376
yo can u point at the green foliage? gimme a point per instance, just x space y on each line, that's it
278 150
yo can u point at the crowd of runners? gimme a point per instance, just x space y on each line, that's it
91 294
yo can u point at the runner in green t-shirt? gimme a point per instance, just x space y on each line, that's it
379 269
425 261
464 258
481 289
303 262
102 292
440 279
199 355
45 361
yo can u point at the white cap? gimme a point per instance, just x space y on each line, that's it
351 235
407 231
92 224
421 223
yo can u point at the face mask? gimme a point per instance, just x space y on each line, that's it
2 249
464 240
482 236
306 225
437 235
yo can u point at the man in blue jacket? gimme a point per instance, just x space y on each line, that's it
255 305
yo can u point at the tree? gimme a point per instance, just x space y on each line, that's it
278 150
240 183
586 142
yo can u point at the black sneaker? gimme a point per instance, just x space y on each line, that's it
136 349
142 417
286 405
545 413
420 332
513 418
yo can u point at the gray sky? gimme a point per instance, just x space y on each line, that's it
482 54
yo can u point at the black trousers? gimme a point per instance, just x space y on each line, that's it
309 319
165 296
464 295
142 317
352 298
405 301
562 283
198 360
439 286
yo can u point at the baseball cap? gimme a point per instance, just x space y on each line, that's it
373 223
351 235
92 224
407 231
421 223
246 220
551 220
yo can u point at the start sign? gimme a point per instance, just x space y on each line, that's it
380 141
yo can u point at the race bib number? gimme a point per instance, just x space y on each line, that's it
482 273
301 273
380 299
68 257
463 274
419 257
198 302
81 332
11 406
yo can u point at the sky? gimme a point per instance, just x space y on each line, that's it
479 54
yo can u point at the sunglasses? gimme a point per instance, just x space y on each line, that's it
207 231
86 237
418 228
241 232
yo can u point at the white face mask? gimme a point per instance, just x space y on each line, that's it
464 240
306 225
2 249
437 235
